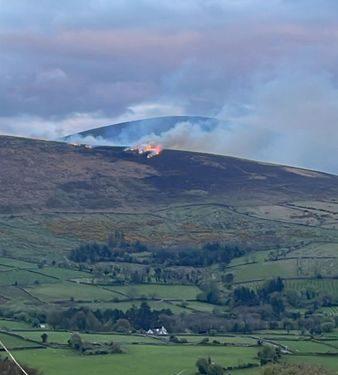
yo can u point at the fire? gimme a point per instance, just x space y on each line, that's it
149 149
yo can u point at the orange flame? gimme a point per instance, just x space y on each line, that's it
149 149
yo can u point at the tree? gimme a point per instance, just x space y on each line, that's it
44 338
327 327
75 341
206 367
122 325
277 303
202 366
54 318
229 278
210 294
245 296
268 354
35 323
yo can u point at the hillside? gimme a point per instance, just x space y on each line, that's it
58 176
66 193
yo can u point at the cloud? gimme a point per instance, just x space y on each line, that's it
52 129
58 127
150 109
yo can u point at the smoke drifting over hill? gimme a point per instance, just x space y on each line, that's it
291 119
268 68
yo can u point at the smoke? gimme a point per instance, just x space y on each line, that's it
290 119
191 136
295 116
95 141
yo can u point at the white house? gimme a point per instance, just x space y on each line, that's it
158 331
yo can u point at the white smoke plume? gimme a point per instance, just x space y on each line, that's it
291 119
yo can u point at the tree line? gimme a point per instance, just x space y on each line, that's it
84 319
113 251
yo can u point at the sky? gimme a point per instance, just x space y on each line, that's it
269 68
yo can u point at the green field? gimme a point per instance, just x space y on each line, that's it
306 346
264 270
23 278
65 274
67 291
324 286
13 342
317 250
13 325
285 268
17 263
138 359
168 292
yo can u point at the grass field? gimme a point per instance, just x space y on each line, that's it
306 346
320 249
23 278
285 268
169 292
265 270
66 291
65 274
13 325
138 359
17 263
13 342
324 286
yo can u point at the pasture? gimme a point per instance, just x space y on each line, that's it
137 359
167 292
